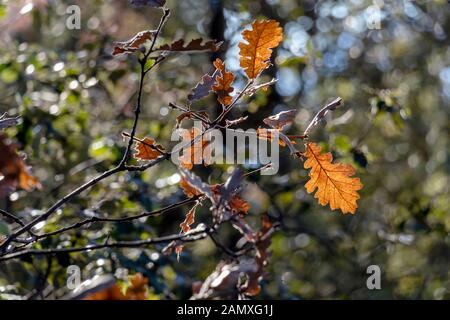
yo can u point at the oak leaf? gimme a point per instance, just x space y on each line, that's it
13 169
147 149
134 43
223 85
333 181
204 87
261 39
188 189
239 205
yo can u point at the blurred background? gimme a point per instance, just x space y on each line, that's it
388 60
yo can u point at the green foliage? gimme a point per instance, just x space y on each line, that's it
75 101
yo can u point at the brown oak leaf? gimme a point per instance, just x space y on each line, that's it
134 43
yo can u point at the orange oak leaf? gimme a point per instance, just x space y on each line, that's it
261 39
223 85
333 181
189 190
147 149
186 227
134 43
188 221
236 203
239 205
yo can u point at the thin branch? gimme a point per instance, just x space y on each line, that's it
12 217
189 237
228 109
117 220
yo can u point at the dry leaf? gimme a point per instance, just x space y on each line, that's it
134 43
13 169
268 134
204 87
333 105
279 120
261 39
194 45
239 205
147 149
263 86
188 221
223 86
194 185
8 122
188 189
333 181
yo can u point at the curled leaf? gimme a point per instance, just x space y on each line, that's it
261 39
193 45
204 87
223 85
8 122
279 120
134 43
333 105
332 180
263 86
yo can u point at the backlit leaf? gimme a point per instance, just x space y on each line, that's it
279 120
223 85
147 149
332 180
261 39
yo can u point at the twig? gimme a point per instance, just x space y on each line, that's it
189 237
116 220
